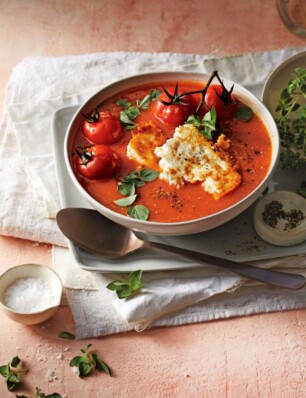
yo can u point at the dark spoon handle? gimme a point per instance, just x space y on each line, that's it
282 279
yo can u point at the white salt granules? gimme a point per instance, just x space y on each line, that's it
29 295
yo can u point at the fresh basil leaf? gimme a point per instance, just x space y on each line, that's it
54 395
116 285
133 175
124 202
135 280
100 365
138 212
132 112
244 113
4 370
67 335
139 183
15 362
126 188
75 361
124 293
148 175
124 119
144 103
193 120
123 103
155 94
84 369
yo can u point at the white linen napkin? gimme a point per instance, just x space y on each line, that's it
29 196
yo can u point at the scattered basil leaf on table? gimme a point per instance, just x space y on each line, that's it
127 288
67 335
12 373
39 394
87 362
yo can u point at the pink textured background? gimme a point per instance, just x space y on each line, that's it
256 356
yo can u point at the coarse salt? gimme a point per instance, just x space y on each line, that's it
29 295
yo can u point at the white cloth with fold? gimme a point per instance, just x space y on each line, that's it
29 196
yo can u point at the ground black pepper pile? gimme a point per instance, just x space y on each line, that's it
274 212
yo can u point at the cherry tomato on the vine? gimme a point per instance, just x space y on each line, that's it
97 161
102 128
177 112
222 101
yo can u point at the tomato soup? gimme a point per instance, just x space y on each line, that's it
249 154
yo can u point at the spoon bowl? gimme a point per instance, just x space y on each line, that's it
97 234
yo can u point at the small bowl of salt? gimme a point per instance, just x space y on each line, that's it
30 293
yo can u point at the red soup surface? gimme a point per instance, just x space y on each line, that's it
249 154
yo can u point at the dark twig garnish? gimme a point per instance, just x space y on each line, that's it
92 117
176 98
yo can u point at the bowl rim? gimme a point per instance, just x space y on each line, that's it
188 76
52 271
272 75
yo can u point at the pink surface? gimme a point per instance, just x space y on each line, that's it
256 356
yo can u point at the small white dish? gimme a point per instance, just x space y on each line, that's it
276 224
24 272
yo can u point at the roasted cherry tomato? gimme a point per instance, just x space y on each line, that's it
172 110
97 162
102 128
219 98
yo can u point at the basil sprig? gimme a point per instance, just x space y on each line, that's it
127 288
39 394
12 373
127 187
89 361
244 113
207 125
130 111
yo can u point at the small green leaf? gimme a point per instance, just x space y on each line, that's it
123 103
124 202
67 335
126 188
84 368
116 285
207 125
75 361
4 370
15 362
100 365
138 212
126 289
244 113
135 280
148 175
124 293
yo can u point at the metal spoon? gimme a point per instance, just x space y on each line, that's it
95 233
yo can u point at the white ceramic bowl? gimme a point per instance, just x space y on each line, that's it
178 228
31 271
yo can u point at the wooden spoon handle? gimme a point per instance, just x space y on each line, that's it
282 279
